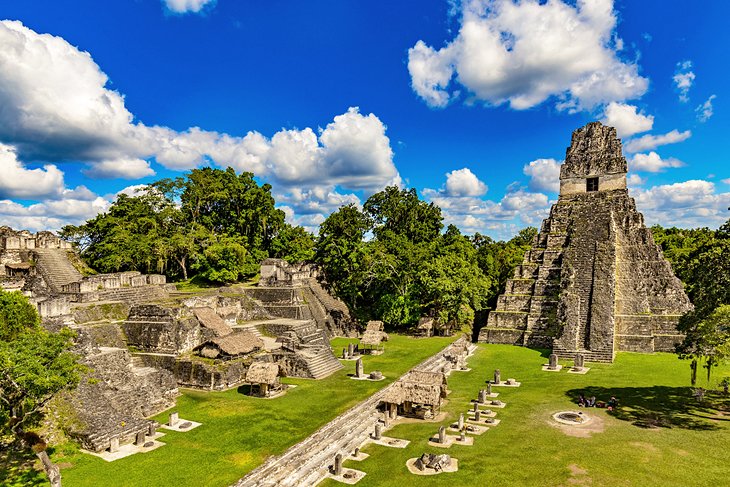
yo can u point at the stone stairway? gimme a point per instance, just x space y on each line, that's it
590 355
320 362
55 268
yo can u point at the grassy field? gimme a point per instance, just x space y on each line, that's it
238 431
660 436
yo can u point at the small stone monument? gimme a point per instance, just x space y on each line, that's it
174 419
378 431
376 375
497 376
114 444
553 364
358 368
338 464
579 362
344 353
477 415
386 418
462 436
442 435
139 440
350 350
461 421
476 407
482 396
489 388
357 452
151 429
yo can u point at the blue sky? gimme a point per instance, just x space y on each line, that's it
471 102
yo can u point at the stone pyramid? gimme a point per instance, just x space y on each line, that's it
594 281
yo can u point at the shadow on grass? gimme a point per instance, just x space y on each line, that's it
17 469
660 406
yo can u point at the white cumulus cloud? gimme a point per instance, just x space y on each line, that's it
120 168
652 162
649 142
626 119
683 79
705 111
524 52
17 181
463 182
185 6
687 204
544 175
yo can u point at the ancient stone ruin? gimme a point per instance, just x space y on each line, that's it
141 338
594 281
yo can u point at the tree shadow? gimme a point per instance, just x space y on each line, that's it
244 389
661 406
18 469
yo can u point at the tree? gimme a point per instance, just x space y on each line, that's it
701 259
707 341
34 366
293 244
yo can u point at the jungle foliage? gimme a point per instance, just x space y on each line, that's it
210 222
701 259
392 262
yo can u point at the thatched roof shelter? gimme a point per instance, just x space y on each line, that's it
208 318
402 392
233 345
374 326
263 373
427 378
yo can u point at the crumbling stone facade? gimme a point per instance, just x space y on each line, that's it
594 281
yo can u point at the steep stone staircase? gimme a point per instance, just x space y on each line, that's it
55 268
320 362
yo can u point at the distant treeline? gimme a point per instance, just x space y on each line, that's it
392 260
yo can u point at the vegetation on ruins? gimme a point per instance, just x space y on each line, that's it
210 222
701 259
34 366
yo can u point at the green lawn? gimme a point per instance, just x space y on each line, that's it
659 436
239 432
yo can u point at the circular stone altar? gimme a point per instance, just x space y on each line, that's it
573 418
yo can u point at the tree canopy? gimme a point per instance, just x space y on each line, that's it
701 259
213 222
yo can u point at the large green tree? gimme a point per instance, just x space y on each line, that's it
34 366
701 259
180 225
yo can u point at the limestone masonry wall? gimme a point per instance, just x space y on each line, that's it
594 281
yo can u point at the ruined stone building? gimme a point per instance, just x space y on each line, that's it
141 338
594 281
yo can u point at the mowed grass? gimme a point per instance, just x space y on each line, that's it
239 432
660 436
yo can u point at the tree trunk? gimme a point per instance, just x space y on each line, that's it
693 368
184 268
52 471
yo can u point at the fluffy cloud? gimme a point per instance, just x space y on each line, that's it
626 119
683 79
120 168
705 111
544 175
634 180
17 181
463 182
649 142
310 207
185 6
56 107
652 162
523 53
685 204
463 206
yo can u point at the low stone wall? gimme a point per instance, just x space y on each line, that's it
153 328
